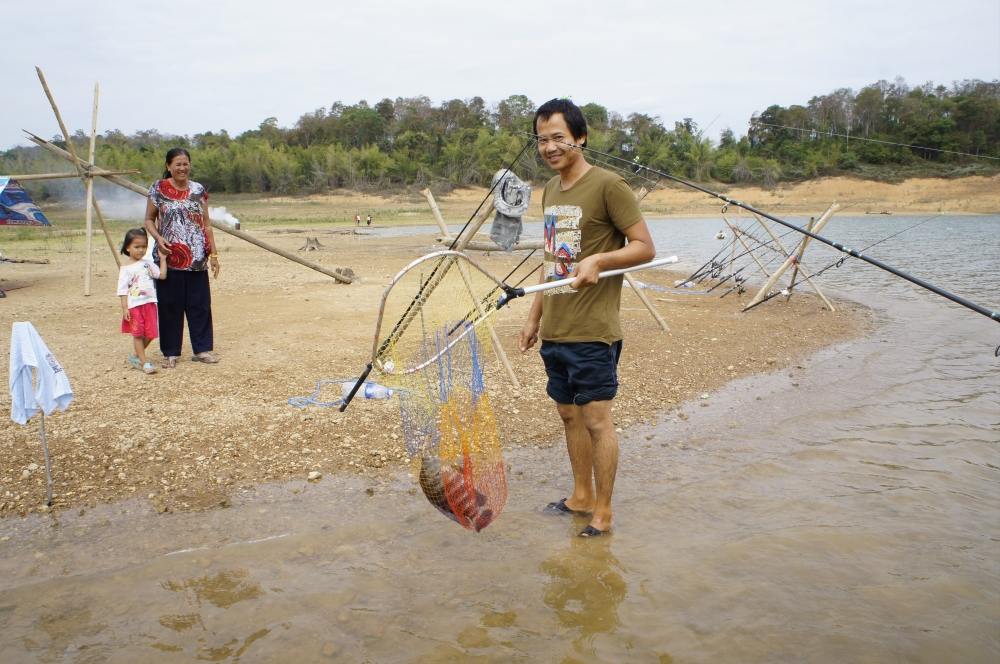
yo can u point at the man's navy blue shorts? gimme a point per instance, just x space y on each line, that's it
581 371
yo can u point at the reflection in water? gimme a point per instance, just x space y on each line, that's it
585 588
222 590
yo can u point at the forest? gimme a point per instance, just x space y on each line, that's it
886 130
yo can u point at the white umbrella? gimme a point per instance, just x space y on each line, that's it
37 384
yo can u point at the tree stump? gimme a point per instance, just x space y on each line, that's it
312 244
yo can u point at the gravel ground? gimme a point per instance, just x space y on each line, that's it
186 438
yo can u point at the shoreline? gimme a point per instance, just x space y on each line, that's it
206 432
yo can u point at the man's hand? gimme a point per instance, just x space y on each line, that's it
586 273
529 336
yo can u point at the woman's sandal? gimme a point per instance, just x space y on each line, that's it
148 368
169 362
206 357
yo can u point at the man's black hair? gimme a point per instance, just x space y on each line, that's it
571 114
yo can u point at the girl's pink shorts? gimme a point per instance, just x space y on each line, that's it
143 323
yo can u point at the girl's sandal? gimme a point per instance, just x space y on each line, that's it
133 361
169 362
149 368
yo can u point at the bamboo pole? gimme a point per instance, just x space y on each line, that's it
476 245
798 256
796 261
89 180
127 184
71 152
436 211
58 176
107 235
762 293
637 289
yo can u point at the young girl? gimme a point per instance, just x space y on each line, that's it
138 296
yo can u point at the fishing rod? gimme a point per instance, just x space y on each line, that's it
837 263
957 299
403 321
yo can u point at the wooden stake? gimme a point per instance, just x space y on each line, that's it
762 293
59 176
798 257
436 211
89 180
637 289
70 153
795 259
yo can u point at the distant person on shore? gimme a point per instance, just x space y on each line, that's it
589 213
136 279
177 218
357 220
369 220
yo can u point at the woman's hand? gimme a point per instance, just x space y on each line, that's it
213 262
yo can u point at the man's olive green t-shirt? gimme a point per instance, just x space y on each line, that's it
586 219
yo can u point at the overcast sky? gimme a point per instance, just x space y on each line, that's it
184 67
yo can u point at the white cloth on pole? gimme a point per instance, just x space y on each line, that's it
28 352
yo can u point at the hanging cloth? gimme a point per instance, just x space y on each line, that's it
28 352
511 197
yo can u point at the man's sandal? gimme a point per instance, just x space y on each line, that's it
169 362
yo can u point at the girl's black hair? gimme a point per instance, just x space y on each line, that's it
130 235
172 154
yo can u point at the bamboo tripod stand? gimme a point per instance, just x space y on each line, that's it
87 170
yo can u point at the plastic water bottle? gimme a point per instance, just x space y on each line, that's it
367 390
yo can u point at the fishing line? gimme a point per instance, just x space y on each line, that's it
957 299
872 140
840 261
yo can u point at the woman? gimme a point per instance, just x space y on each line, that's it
177 218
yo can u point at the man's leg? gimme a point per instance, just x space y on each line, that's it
581 457
600 428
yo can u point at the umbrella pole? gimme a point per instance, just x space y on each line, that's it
48 472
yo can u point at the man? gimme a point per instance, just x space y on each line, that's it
589 215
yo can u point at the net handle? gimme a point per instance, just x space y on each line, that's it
521 292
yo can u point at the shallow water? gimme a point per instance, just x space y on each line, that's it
846 510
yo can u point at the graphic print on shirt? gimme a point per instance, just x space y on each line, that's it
181 223
136 283
562 243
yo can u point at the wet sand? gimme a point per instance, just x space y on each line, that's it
187 439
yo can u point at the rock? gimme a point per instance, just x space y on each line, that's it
329 649
32 467
314 476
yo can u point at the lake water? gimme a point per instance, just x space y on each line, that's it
845 511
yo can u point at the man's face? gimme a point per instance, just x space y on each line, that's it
556 141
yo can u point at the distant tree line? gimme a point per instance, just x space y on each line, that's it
411 141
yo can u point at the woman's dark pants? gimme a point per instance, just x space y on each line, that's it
184 292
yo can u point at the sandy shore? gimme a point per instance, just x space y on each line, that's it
184 439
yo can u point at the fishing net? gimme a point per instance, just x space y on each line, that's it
438 356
